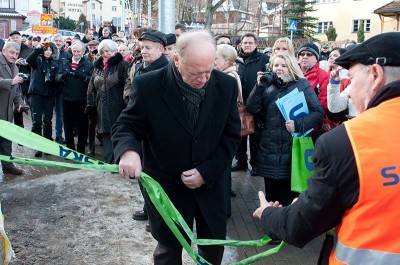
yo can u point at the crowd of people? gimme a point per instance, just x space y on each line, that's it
167 104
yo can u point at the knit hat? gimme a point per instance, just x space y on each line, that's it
310 47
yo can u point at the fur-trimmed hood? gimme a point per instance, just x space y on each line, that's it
56 53
113 61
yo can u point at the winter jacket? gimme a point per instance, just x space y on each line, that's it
40 66
275 152
10 95
319 80
248 69
26 69
105 91
74 82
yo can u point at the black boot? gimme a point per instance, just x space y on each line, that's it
91 148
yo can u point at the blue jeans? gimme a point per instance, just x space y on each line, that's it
59 115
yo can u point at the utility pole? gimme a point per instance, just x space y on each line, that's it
166 16
90 14
149 13
134 13
123 16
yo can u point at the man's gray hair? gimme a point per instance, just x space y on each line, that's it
112 45
188 38
83 46
392 73
11 44
56 36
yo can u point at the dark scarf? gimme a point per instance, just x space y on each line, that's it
192 97
246 56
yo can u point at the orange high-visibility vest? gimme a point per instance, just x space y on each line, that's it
370 231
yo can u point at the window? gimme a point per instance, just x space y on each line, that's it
7 4
93 17
114 8
93 6
357 22
322 27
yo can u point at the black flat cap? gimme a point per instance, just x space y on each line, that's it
14 32
155 36
171 38
382 49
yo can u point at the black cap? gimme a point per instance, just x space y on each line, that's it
382 49
310 47
171 38
14 32
154 35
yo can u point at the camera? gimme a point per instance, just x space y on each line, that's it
269 78
23 62
24 76
47 77
95 51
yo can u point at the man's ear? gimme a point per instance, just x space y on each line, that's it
378 77
176 60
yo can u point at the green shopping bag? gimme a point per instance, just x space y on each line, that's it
302 164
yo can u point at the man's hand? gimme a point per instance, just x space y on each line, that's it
192 178
17 80
21 61
263 205
130 165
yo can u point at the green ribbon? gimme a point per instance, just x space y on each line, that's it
159 198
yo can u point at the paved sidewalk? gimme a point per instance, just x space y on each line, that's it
244 227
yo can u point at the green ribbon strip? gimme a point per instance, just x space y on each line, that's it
159 198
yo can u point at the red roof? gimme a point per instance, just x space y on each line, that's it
389 9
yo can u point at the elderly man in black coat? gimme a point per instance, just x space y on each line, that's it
186 116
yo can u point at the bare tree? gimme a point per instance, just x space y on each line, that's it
210 10
236 30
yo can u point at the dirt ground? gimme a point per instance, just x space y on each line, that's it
78 217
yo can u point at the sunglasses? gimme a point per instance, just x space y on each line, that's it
308 54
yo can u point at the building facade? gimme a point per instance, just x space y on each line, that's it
346 17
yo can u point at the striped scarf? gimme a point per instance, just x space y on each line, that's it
192 97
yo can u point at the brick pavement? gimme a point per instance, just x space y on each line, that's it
243 226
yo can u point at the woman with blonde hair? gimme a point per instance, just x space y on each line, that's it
225 61
274 156
283 44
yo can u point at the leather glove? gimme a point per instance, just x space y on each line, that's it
80 75
65 75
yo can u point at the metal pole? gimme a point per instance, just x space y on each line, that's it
90 14
134 8
123 16
166 16
140 12
149 13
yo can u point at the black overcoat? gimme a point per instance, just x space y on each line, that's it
157 118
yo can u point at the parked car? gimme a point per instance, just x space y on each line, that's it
67 34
